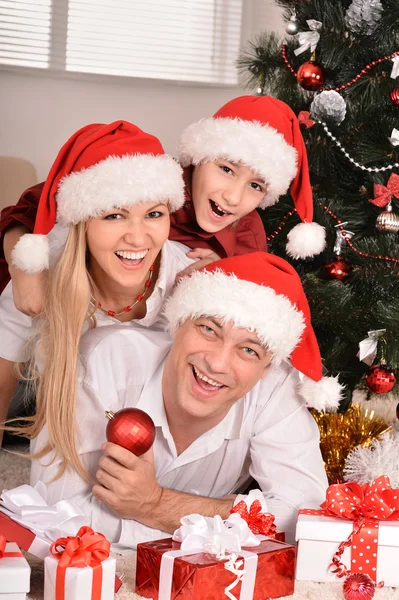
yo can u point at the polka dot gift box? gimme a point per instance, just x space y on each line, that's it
359 521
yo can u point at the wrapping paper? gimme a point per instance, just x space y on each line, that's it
14 570
27 519
80 568
78 581
370 514
202 577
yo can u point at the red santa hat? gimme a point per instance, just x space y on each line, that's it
260 292
101 167
262 133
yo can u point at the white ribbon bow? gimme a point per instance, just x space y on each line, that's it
309 39
27 505
368 347
394 139
395 67
215 536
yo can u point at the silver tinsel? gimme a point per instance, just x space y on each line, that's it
362 16
328 105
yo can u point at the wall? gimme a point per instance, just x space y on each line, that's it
38 112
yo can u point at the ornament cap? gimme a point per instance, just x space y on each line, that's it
109 414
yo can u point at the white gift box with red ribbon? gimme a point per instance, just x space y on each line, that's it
14 572
374 548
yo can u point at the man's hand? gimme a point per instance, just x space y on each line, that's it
127 484
129 487
29 291
205 256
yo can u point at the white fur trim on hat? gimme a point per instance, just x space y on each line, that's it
120 181
258 146
277 323
305 240
325 394
31 253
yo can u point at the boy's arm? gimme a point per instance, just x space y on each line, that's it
22 216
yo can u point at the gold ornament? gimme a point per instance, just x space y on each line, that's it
387 220
341 432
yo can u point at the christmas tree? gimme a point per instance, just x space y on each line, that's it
337 69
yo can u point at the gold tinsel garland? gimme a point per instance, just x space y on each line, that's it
341 432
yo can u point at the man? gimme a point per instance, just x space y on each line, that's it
224 400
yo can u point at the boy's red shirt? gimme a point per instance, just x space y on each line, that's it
246 237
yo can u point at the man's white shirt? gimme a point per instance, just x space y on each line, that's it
268 434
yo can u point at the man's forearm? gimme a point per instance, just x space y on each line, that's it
11 237
173 505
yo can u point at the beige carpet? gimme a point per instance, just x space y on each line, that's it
14 471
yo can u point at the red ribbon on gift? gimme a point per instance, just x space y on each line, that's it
303 119
3 553
365 505
86 549
383 194
258 522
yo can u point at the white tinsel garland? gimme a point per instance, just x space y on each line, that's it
381 458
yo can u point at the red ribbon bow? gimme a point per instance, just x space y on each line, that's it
258 522
3 553
383 194
86 549
303 119
368 501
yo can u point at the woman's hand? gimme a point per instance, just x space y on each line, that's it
28 291
205 256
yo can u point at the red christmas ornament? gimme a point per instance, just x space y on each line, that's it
338 268
132 429
311 76
394 96
381 379
358 586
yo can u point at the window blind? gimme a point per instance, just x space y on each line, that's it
184 40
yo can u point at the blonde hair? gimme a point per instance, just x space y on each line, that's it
61 323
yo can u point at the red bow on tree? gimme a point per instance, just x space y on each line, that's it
258 522
303 119
368 501
382 194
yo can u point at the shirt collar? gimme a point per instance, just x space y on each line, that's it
185 220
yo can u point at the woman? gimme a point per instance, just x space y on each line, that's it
112 188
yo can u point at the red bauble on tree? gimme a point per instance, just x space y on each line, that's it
338 268
394 96
132 429
381 379
311 76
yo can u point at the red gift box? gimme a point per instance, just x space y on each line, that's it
27 540
202 577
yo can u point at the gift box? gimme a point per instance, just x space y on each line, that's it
374 548
201 576
80 568
14 572
78 583
27 520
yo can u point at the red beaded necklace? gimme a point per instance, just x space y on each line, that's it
112 313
